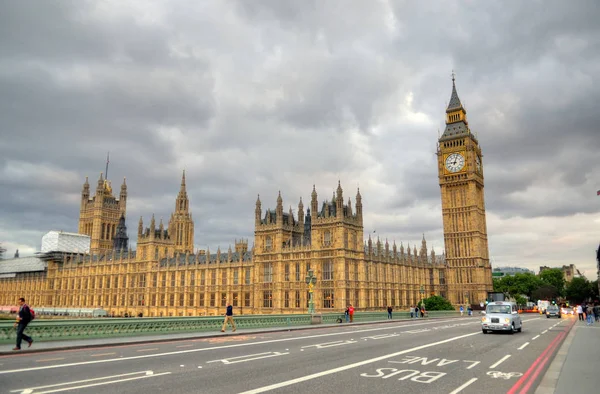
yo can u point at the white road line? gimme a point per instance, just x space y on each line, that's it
30 389
248 357
535 337
467 383
50 359
353 365
524 346
545 331
503 359
109 360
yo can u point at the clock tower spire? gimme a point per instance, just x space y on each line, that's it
461 180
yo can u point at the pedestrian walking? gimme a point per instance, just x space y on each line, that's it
347 314
390 312
580 312
228 318
351 313
23 319
416 311
462 310
589 312
412 311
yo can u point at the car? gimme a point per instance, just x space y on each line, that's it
566 311
501 316
553 311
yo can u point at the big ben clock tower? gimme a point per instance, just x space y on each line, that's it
460 167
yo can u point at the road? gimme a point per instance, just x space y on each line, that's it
418 356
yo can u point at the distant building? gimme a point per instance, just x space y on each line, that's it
499 272
569 271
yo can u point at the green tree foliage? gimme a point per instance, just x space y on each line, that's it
554 277
518 284
580 289
520 300
437 303
544 292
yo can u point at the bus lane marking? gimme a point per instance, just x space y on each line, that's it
417 378
425 361
381 336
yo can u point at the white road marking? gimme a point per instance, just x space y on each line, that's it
121 358
248 357
50 359
535 337
503 359
471 361
102 354
524 346
147 350
353 365
545 331
381 336
465 385
146 374
328 344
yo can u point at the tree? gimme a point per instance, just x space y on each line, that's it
437 303
595 290
554 277
579 290
545 292
518 284
520 300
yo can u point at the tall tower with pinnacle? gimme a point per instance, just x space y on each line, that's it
181 225
99 215
460 169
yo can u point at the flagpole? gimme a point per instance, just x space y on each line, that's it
107 161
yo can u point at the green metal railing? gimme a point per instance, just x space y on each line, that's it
53 330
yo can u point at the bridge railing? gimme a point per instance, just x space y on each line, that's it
54 330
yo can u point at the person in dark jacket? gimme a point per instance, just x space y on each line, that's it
389 312
228 318
23 320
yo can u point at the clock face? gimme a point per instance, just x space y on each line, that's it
478 163
455 162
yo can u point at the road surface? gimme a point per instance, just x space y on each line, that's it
418 356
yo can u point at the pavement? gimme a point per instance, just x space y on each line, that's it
422 356
575 367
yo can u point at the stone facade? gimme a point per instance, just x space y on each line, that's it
460 169
166 277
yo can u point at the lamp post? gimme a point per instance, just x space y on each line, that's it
311 279
422 291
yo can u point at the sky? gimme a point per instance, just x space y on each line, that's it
257 97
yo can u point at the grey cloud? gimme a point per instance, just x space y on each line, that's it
257 97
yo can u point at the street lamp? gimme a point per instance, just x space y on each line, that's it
422 291
311 279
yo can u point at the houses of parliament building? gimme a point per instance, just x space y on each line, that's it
165 276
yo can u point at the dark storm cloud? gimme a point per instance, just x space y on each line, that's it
261 96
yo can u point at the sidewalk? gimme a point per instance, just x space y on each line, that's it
47 346
575 367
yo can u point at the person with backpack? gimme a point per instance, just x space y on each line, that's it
26 315
228 318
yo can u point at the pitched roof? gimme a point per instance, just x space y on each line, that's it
22 264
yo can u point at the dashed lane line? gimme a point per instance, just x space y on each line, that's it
535 337
465 385
524 346
503 359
